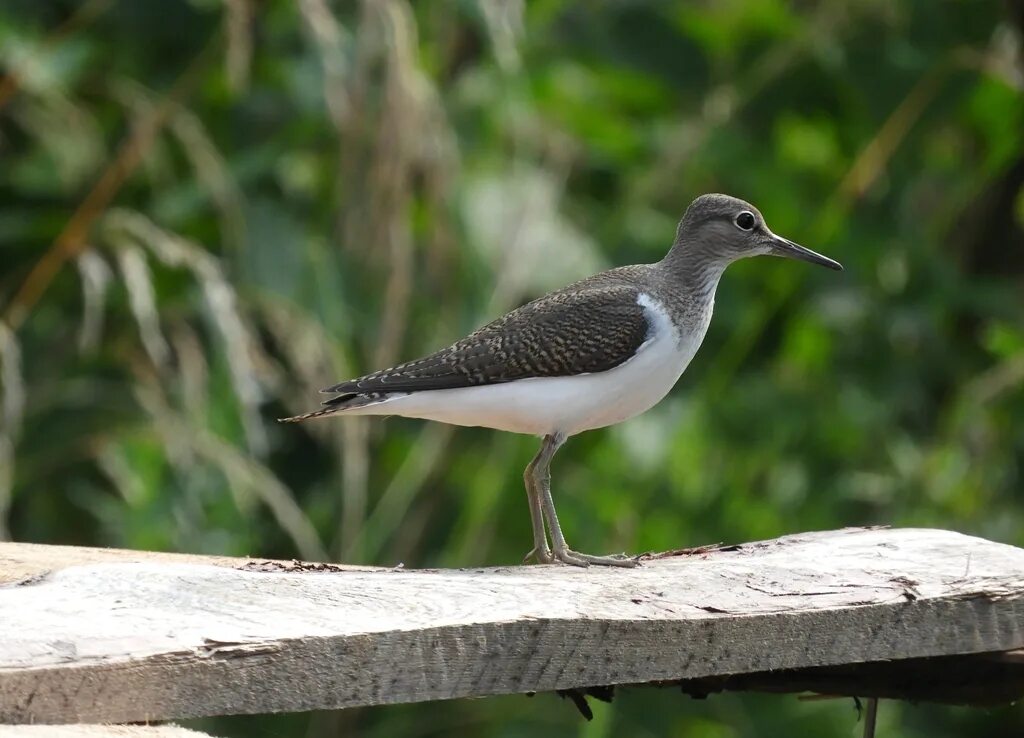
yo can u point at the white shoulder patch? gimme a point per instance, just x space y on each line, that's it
657 316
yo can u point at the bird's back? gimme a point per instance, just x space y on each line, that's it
589 326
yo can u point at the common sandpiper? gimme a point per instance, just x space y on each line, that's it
592 354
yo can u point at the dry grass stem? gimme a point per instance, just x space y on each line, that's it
83 15
72 240
239 345
238 32
96 278
12 410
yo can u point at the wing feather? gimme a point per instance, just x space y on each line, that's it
569 332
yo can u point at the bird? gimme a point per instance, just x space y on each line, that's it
592 354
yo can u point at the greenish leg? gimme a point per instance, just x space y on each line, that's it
540 469
541 551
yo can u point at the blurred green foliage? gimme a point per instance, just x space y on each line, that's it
337 186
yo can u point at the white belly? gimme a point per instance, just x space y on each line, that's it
569 405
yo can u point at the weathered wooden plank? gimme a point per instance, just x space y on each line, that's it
20 561
119 642
98 731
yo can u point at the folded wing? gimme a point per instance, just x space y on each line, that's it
561 334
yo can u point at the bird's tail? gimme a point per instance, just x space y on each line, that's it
310 416
347 402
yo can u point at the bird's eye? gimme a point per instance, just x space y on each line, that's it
745 221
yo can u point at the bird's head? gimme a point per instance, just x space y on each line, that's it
723 229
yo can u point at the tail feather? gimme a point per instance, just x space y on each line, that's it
338 405
310 416
347 398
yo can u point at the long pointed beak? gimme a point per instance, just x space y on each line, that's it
784 247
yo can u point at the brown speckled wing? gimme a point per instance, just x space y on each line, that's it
574 331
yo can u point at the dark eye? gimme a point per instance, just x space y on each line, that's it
745 221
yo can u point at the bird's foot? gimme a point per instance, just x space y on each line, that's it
573 558
540 555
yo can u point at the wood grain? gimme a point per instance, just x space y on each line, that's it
119 641
19 561
98 731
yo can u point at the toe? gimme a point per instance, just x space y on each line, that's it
571 557
625 562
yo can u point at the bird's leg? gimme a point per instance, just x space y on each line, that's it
541 551
542 481
541 473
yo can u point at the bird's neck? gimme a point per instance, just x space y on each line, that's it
695 272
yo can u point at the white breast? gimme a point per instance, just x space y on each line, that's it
543 405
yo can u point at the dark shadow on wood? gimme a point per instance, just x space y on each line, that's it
976 680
